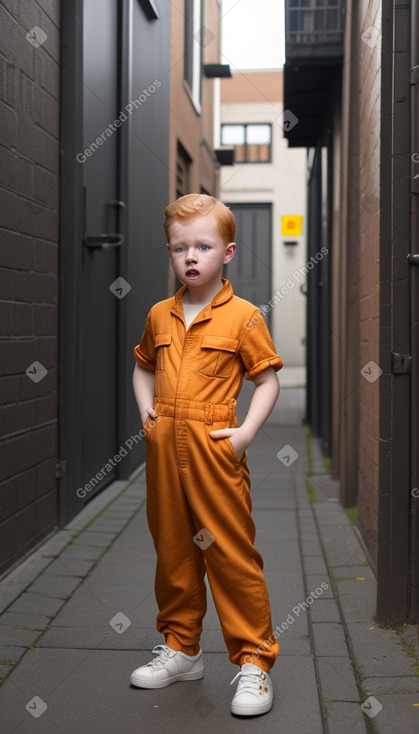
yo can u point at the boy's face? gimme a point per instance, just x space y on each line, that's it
197 251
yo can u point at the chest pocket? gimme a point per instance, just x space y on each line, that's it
217 356
161 342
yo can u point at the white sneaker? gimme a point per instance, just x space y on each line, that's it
168 667
254 693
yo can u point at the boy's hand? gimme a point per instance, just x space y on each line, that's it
150 413
263 400
239 440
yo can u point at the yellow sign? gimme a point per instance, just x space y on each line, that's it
292 225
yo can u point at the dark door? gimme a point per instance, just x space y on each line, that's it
115 96
102 214
250 271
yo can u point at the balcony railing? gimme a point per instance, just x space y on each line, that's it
314 28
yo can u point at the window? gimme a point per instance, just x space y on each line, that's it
252 142
192 50
183 168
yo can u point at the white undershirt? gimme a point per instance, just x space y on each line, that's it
190 310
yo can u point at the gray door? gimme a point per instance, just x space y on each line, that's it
250 270
111 52
102 215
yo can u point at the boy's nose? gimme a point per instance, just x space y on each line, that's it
190 257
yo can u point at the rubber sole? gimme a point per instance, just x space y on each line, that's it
240 710
142 683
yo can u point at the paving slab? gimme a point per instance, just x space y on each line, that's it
325 610
10 655
330 513
315 565
384 685
379 651
100 503
69 567
314 582
329 640
337 679
55 545
59 587
357 600
346 718
25 621
341 546
111 525
399 714
82 552
26 572
95 538
36 604
17 636
9 592
411 635
310 547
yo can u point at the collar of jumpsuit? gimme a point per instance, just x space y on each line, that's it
223 295
206 363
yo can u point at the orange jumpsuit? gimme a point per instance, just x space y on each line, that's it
196 483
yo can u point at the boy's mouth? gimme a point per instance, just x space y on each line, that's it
192 272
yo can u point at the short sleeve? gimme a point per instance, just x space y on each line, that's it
145 352
257 348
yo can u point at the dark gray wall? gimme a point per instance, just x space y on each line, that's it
29 186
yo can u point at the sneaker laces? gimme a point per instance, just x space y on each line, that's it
163 653
250 682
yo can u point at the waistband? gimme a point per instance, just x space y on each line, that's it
183 408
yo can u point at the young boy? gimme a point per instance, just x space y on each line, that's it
191 361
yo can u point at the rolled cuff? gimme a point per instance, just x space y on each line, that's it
143 361
274 362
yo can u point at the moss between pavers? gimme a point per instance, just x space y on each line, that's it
351 513
309 451
408 648
310 491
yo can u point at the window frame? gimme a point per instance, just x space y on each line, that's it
245 125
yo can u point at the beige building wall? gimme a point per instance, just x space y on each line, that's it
190 125
256 97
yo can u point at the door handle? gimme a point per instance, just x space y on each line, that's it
104 240
413 259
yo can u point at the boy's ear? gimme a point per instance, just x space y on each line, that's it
230 252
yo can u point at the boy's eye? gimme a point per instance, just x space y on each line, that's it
179 249
203 248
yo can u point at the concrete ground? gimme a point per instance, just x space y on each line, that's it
78 615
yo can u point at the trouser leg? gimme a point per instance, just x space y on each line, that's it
217 486
180 569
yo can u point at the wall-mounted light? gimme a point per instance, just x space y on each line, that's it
225 156
217 71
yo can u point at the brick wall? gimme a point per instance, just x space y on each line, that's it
369 55
29 187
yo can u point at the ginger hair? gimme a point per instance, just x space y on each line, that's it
194 205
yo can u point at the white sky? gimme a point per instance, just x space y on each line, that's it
253 34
